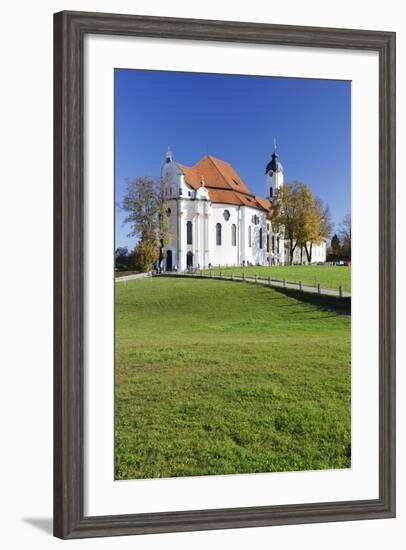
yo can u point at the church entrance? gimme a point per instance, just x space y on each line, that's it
169 260
189 259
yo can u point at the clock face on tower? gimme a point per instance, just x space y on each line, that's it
271 173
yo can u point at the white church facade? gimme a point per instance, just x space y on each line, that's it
216 220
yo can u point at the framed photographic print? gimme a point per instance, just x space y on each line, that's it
224 275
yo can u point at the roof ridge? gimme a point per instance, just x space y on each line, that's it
212 160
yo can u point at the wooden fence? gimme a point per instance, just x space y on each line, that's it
270 281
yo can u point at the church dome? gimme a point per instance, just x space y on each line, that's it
274 164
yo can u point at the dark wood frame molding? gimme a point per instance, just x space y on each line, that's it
70 29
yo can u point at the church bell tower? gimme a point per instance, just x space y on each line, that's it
273 175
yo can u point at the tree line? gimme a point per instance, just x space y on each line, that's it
340 246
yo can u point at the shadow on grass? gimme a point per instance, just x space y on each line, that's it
339 305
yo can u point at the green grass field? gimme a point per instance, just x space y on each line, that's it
221 377
328 276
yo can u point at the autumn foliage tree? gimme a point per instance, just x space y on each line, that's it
302 217
145 255
147 215
318 226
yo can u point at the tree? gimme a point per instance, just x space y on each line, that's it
145 203
122 258
345 234
304 219
318 226
335 245
145 255
287 213
164 225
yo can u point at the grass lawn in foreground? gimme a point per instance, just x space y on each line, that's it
221 377
329 276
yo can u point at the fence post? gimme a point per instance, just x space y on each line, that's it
284 283
318 288
256 278
340 291
232 276
211 273
221 275
269 280
243 275
300 285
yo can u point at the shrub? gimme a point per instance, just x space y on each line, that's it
145 255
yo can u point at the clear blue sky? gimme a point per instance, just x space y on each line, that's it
234 118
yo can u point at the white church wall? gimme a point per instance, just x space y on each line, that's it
226 253
319 254
204 217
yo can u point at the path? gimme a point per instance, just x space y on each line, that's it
131 277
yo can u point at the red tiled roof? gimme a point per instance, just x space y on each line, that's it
223 183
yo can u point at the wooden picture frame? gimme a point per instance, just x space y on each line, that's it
69 518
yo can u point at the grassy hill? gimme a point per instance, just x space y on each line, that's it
218 377
329 276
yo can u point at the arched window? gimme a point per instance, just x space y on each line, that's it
226 215
270 192
233 235
267 243
189 238
218 234
273 243
260 237
249 235
278 242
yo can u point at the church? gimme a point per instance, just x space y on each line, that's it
216 220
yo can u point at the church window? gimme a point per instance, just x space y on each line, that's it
226 215
233 235
170 191
260 237
189 194
180 191
267 243
271 192
273 243
218 234
278 245
168 212
249 236
189 238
